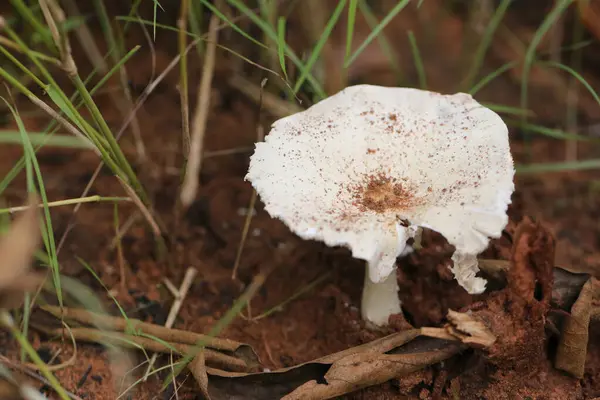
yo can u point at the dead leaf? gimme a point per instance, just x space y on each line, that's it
345 371
572 348
470 330
17 247
367 369
566 288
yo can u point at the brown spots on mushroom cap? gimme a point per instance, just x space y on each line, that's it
380 193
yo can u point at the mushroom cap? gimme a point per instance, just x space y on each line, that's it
366 166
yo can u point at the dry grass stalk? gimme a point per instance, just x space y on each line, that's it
190 183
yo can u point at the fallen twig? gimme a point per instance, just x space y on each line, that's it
188 279
213 357
241 350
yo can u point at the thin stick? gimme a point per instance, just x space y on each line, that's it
120 324
142 342
188 279
170 287
67 202
190 183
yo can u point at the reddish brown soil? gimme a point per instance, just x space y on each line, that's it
327 319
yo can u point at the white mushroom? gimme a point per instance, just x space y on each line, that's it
365 167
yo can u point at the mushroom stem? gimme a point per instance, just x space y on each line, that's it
380 299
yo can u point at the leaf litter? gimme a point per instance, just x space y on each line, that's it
507 331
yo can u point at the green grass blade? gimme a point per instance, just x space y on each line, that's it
491 76
551 19
52 126
195 23
156 6
558 167
7 322
233 25
504 109
420 68
553 133
314 55
485 42
108 292
281 45
270 32
576 75
38 26
32 166
350 28
41 139
384 43
114 69
377 30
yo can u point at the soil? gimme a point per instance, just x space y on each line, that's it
327 318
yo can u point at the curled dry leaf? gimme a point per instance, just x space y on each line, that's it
470 330
368 369
17 247
346 371
572 348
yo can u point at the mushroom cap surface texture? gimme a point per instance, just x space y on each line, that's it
366 166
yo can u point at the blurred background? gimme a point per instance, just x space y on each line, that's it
134 121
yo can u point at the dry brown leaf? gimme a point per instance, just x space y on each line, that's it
367 369
470 330
572 348
17 247
346 371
